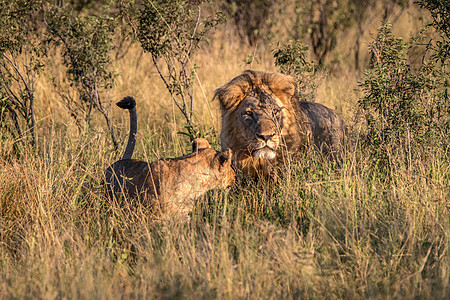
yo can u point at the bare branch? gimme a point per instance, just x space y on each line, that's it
29 91
166 83
14 117
194 31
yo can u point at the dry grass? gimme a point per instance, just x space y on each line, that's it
320 230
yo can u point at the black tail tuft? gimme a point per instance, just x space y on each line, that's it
127 103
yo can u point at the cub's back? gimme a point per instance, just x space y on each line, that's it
137 175
171 184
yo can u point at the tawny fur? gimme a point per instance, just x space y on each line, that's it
262 119
170 186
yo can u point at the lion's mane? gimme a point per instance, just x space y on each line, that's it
262 119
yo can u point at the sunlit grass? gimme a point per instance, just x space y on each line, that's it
320 229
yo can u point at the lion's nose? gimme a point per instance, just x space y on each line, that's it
265 137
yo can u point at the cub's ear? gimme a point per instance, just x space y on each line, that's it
200 143
225 157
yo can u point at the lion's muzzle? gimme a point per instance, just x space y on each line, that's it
264 153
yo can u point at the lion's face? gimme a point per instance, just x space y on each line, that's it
257 116
260 116
262 120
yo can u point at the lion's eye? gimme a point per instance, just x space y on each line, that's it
248 117
248 114
276 111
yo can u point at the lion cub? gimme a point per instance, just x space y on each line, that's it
168 186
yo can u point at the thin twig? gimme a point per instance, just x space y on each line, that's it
16 122
13 98
188 52
168 87
28 110
20 74
253 57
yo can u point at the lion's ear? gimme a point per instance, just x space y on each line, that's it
229 96
200 143
225 158
284 87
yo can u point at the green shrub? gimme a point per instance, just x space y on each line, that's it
291 60
171 31
21 60
406 110
86 42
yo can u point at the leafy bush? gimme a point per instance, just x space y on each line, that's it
291 60
406 110
86 44
440 13
171 31
21 58
28 31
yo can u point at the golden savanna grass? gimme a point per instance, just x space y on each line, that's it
321 229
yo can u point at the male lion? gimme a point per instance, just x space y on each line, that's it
168 186
262 118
